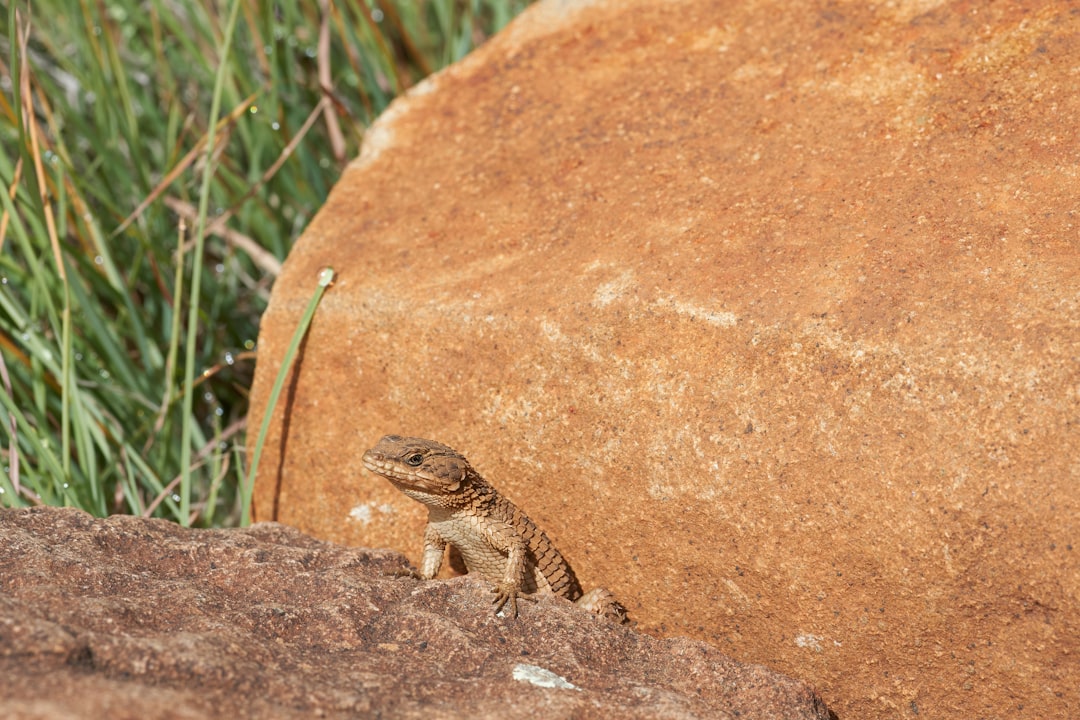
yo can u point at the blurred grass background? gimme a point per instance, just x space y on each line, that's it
105 123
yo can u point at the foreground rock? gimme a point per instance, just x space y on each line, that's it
127 617
768 312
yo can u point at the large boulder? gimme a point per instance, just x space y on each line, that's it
768 312
133 618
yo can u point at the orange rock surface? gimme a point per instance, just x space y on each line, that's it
767 312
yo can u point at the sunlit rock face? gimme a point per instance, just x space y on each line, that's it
767 312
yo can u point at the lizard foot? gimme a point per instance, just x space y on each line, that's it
601 602
408 572
508 594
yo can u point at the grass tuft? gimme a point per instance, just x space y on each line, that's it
128 205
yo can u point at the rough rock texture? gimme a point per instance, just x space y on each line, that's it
766 311
134 618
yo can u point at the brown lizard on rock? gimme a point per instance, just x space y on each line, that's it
495 538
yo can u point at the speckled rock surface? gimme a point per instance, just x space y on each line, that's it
134 618
768 312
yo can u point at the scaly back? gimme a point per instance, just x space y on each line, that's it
547 559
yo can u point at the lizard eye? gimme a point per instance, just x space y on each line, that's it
414 460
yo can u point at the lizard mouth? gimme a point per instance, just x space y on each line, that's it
374 461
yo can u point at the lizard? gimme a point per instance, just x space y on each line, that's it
494 537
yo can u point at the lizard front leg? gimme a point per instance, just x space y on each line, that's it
434 549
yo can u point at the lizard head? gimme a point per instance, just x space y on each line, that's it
419 468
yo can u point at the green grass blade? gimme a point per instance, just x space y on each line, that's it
326 276
196 266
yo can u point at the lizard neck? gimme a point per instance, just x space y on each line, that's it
474 495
